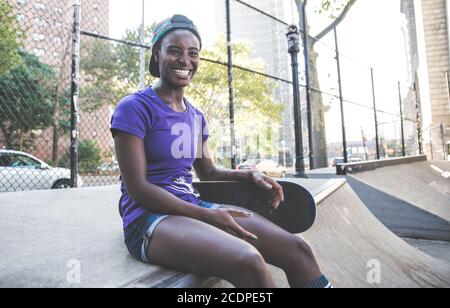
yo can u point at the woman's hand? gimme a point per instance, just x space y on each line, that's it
224 220
270 184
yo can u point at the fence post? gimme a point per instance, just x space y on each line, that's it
341 97
377 137
401 119
304 29
231 85
75 93
419 128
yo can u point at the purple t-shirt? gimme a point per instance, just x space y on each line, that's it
172 142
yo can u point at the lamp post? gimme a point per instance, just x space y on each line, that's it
293 37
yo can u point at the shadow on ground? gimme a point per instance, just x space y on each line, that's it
402 218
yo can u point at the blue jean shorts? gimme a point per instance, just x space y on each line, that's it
139 233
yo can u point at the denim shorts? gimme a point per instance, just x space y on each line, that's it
139 233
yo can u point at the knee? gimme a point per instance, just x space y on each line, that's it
251 262
301 251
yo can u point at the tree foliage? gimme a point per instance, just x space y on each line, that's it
11 35
255 106
27 97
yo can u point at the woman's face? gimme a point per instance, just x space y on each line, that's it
178 58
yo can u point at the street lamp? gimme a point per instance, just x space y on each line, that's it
293 37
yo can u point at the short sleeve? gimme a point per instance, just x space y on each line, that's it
205 129
132 117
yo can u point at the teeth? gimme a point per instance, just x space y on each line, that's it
182 72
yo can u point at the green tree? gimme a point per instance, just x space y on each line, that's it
335 11
98 66
111 71
255 107
11 35
27 99
128 59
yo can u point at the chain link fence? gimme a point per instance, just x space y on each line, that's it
35 93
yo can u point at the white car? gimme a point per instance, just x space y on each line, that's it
21 171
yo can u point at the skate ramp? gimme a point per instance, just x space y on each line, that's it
43 233
350 244
425 185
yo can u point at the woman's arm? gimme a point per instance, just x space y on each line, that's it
130 153
206 171
133 166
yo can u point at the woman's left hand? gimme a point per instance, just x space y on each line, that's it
270 184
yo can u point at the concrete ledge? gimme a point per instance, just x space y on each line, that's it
74 238
352 168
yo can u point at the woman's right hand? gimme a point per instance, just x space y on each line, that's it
224 219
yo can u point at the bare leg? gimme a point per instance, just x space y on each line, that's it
282 249
185 244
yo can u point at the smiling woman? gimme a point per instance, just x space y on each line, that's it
159 137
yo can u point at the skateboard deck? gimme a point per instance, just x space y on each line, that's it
296 215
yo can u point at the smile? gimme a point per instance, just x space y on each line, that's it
182 73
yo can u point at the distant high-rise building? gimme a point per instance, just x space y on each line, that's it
429 66
269 42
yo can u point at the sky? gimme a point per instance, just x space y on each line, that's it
203 14
370 36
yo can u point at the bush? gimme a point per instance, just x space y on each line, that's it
89 157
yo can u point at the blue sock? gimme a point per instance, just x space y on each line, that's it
320 283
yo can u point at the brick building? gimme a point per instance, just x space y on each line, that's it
47 25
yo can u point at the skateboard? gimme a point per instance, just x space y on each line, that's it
296 214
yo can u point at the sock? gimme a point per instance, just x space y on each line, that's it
320 283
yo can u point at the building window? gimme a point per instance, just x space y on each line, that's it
38 37
39 52
40 22
39 6
59 11
57 40
20 17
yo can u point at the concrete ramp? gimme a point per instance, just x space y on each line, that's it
425 185
351 245
73 238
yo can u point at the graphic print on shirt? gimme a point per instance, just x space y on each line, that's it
189 142
184 186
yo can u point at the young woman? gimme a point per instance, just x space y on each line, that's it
159 136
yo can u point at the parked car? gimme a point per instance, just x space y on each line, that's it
112 167
267 166
21 171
